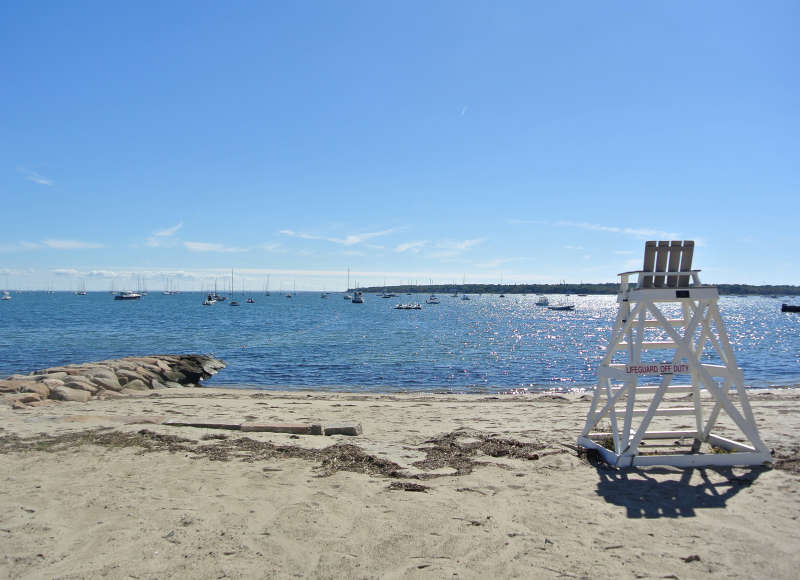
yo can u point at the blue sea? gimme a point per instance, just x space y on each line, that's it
486 344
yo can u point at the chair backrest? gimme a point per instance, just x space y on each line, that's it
662 257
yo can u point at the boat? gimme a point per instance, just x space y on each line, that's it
251 301
127 295
324 295
6 295
410 306
790 308
347 289
542 300
233 302
432 299
562 307
465 297
266 287
210 300
357 297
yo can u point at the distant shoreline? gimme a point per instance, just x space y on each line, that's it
606 288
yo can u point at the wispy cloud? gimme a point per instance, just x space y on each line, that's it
211 247
11 247
276 248
452 248
349 240
64 272
169 231
413 247
164 237
637 232
70 244
35 177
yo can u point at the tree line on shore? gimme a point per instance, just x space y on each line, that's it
582 288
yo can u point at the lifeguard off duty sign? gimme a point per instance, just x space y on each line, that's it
657 369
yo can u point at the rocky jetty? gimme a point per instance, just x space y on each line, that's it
108 378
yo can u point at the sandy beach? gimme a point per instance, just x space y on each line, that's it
436 486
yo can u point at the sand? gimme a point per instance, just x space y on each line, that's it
90 490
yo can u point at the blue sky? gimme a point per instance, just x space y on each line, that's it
522 141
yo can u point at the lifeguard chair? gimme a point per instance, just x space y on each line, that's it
669 377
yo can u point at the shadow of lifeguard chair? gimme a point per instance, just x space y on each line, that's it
668 325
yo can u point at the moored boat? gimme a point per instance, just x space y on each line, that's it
127 295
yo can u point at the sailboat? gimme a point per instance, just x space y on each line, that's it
347 288
266 287
234 302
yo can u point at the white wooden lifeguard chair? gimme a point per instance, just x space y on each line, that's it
669 327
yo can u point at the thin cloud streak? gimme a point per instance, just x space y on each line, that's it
414 247
210 247
638 232
35 177
70 244
169 231
349 240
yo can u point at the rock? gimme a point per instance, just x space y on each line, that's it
82 383
172 385
174 376
26 397
156 384
12 385
105 379
18 406
52 383
68 394
54 375
41 389
41 403
136 385
126 375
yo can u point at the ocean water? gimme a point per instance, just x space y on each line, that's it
486 344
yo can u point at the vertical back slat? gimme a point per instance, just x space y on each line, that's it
686 262
662 252
649 263
675 250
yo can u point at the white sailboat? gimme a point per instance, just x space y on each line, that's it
233 302
347 288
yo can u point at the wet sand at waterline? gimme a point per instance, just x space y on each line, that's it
436 486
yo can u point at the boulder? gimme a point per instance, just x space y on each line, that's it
105 379
54 375
26 397
52 383
135 385
126 375
68 394
13 385
174 376
39 388
82 383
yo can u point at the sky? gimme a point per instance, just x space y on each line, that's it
408 141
